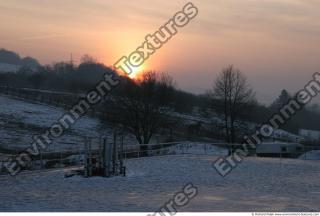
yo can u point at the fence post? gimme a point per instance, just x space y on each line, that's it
79 148
305 153
41 162
60 159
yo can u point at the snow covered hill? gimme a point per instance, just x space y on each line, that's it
20 120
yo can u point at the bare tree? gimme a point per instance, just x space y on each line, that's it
232 95
143 108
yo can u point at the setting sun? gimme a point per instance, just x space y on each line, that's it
136 71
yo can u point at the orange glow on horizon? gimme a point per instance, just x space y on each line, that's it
136 71
135 74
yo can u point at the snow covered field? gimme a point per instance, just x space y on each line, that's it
259 184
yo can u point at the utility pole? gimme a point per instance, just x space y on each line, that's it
71 59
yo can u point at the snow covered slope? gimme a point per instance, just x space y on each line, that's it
20 120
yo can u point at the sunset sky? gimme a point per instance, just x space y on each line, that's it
275 42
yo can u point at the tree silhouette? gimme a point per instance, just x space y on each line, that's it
231 95
142 108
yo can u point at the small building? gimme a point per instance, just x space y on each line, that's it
279 149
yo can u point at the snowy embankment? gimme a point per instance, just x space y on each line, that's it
258 184
311 155
20 120
196 148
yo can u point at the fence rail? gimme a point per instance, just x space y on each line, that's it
65 159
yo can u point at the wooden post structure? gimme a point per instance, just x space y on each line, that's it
114 152
90 158
107 150
86 158
122 171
